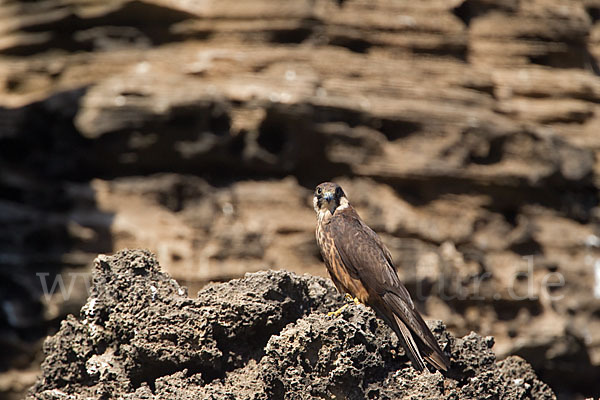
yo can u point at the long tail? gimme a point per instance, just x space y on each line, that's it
411 348
413 333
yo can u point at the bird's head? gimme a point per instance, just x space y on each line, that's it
329 197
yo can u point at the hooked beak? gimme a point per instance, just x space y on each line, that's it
328 196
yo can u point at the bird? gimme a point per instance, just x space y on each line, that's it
361 267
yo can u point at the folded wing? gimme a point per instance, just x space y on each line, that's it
366 258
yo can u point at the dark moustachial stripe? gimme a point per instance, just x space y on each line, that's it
360 264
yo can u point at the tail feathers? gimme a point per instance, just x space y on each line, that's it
431 350
409 345
417 351
438 360
411 324
419 346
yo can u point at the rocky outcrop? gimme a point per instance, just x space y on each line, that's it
266 336
465 132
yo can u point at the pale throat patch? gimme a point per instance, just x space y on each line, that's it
327 213
343 204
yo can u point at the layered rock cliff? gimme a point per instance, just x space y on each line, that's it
465 133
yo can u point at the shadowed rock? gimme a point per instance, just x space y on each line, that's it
265 336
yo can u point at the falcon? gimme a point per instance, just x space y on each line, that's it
361 266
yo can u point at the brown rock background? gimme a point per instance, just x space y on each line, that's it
465 132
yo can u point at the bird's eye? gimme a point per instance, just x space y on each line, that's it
319 191
338 192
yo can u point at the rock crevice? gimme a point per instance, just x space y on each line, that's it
265 336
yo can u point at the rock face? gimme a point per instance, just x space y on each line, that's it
266 336
464 131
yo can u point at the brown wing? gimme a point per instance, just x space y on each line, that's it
366 258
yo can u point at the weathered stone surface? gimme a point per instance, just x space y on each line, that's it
465 132
265 336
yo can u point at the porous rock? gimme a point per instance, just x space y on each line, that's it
465 132
265 336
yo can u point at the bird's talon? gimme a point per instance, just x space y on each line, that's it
338 311
349 248
351 300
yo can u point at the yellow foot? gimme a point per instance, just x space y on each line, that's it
338 311
350 300
355 300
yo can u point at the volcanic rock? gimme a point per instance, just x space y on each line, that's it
265 336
